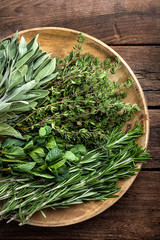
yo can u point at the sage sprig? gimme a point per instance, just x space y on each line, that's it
24 69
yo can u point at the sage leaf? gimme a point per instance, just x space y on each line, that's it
24 59
14 79
40 60
23 70
22 47
47 70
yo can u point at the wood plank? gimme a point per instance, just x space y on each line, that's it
145 62
154 140
135 216
114 22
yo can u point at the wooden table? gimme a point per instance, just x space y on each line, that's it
132 28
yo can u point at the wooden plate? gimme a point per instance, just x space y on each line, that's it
59 42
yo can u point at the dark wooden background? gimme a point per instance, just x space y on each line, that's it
132 28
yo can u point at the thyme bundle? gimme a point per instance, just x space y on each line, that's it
82 104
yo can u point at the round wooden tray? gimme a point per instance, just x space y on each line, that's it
59 42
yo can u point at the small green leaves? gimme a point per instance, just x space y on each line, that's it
43 131
83 104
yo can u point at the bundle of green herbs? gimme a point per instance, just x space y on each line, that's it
68 147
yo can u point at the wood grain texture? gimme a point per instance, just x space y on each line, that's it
125 23
139 220
114 22
145 62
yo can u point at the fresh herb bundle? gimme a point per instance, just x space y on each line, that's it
78 176
24 69
72 149
82 104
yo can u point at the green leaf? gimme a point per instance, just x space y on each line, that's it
51 143
37 155
14 39
46 79
70 156
47 70
12 51
24 59
41 174
42 132
40 60
23 70
15 152
9 142
33 45
41 67
5 76
58 164
22 106
6 130
18 93
26 167
53 155
79 149
29 145
14 79
48 129
22 47
4 107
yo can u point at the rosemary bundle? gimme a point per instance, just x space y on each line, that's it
91 175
